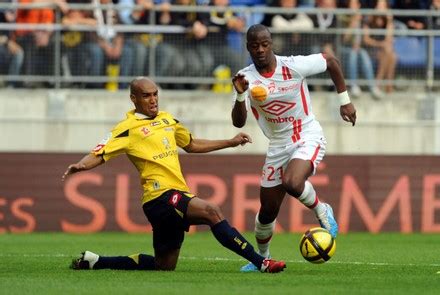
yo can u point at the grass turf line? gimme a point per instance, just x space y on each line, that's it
364 263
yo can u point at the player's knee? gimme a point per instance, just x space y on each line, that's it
213 214
267 216
293 185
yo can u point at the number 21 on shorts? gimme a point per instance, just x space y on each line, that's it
271 173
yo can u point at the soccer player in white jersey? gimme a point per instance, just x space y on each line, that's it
275 89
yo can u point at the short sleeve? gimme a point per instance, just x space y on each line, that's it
182 135
307 65
113 145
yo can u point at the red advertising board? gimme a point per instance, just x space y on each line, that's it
368 193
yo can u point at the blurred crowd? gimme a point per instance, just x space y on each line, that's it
210 43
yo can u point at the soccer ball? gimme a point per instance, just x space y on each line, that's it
259 93
317 245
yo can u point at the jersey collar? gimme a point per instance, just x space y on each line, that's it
139 116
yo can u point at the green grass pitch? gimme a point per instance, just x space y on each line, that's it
387 263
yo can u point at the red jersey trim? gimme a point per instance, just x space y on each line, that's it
268 75
303 99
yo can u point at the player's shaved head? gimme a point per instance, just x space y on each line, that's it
254 30
259 45
139 82
144 94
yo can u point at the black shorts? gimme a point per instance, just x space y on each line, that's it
167 215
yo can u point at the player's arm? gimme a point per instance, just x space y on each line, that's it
239 112
89 161
206 145
347 110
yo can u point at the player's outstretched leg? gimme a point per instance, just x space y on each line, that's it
323 211
230 238
90 260
263 236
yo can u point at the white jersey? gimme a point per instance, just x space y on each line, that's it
286 115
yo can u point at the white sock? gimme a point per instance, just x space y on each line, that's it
91 257
263 235
310 200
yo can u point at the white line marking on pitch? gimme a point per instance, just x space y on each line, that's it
238 259
335 262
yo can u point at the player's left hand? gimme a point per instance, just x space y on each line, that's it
348 113
241 139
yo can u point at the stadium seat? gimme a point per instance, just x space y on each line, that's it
411 51
437 52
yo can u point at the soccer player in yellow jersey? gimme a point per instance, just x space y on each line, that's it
150 138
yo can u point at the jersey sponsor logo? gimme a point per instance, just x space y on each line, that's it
165 155
174 199
166 143
284 89
277 107
103 142
256 82
155 123
169 129
279 120
145 131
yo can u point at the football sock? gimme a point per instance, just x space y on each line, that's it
230 238
263 235
310 200
132 262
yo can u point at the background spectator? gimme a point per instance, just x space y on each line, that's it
37 44
221 24
434 23
81 46
166 63
113 50
11 54
322 21
410 21
192 45
381 45
356 56
288 42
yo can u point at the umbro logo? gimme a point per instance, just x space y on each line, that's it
277 107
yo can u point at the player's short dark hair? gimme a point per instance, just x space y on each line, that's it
254 29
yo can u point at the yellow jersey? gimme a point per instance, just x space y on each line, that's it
151 145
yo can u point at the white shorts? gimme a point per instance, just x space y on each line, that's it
311 147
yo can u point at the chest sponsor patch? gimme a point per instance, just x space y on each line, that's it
145 131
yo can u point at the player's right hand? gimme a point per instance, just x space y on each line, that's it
240 83
73 169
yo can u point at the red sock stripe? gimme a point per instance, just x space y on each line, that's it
314 203
264 241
